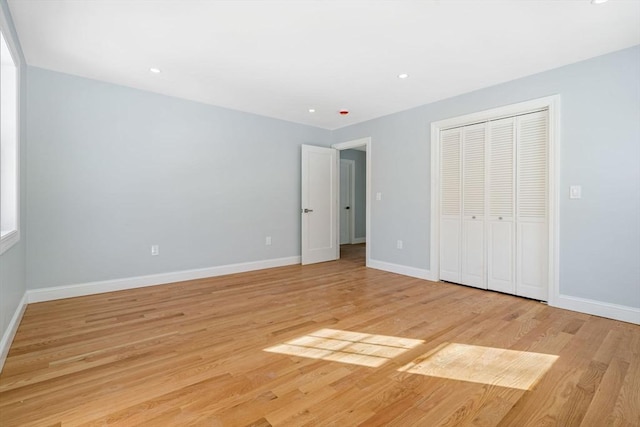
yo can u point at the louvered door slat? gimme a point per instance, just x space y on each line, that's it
473 170
451 191
494 205
473 200
532 165
501 167
450 204
501 194
532 224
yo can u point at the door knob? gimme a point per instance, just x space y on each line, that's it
347 207
307 210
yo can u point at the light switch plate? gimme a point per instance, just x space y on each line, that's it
575 192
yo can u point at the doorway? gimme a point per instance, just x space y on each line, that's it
359 151
320 225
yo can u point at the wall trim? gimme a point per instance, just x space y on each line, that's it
400 269
11 330
598 308
358 240
592 307
582 305
82 289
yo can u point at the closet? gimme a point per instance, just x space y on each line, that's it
493 205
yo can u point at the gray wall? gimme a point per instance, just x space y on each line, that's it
113 170
12 262
600 150
360 159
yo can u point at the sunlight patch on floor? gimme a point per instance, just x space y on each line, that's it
347 347
486 365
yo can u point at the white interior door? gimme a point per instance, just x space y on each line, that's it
319 204
473 205
531 209
501 219
450 205
346 199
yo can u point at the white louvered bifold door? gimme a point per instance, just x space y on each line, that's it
531 208
473 206
501 205
450 204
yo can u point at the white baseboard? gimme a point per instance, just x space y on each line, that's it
12 328
358 240
582 305
70 291
598 308
400 269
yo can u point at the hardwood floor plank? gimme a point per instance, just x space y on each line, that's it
627 408
194 353
601 410
549 403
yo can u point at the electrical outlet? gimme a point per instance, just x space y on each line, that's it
267 240
399 244
155 250
575 192
378 196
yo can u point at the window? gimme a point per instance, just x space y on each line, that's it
9 205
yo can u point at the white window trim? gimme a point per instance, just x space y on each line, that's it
12 237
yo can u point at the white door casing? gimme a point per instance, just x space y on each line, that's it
319 211
367 145
535 239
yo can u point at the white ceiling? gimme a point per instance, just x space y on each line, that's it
280 58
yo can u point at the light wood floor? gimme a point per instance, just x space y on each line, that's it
400 351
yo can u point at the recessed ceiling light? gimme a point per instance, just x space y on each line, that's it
312 110
154 70
403 76
598 1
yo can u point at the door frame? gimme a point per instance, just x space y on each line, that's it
552 104
357 143
351 164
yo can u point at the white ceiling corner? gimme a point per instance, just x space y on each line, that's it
280 58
